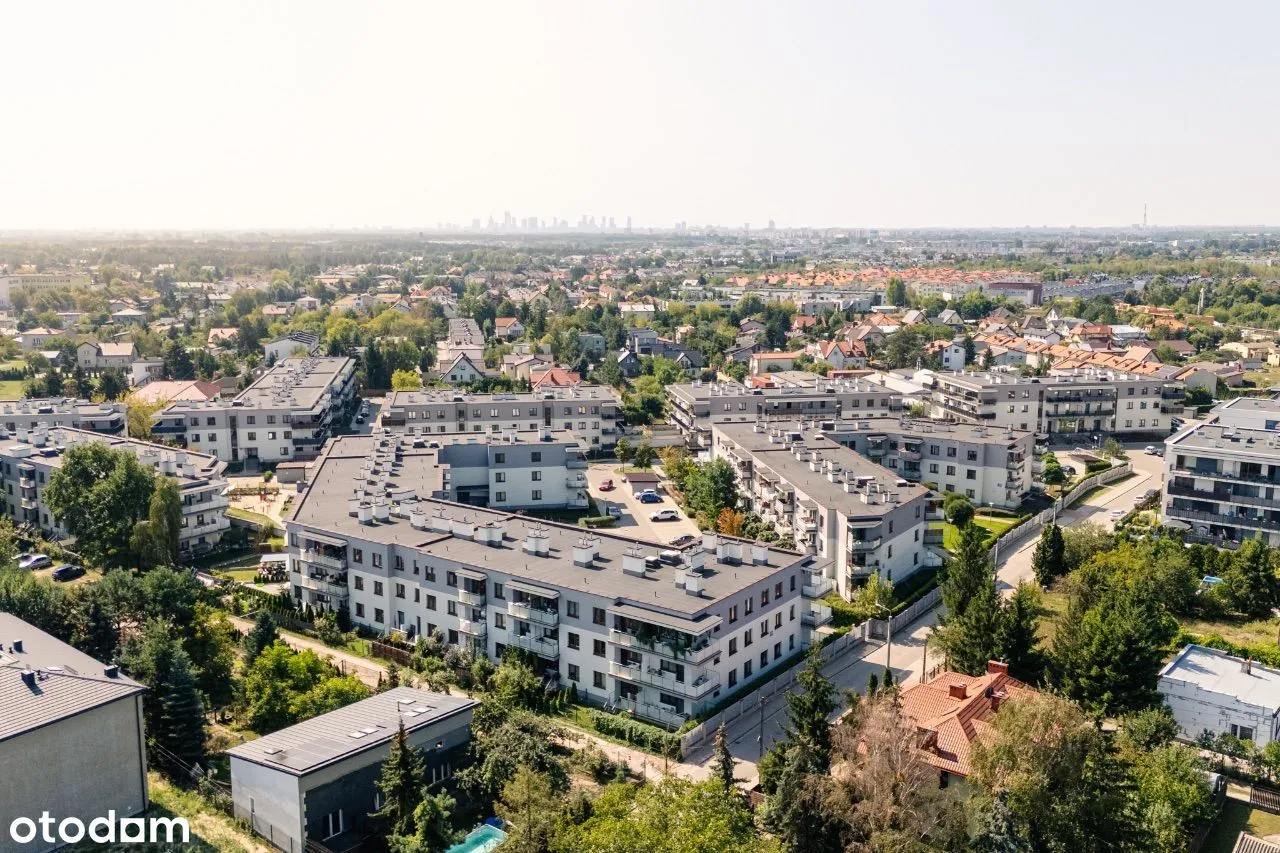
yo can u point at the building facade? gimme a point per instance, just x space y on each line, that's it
629 623
32 413
1209 690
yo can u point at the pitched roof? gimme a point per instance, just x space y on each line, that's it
161 391
555 377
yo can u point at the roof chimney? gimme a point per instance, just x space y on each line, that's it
959 690
17 646
633 562
112 671
29 678
996 667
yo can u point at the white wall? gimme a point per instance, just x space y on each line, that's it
1196 709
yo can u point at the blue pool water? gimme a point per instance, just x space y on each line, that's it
480 840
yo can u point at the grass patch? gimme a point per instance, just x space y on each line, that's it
1054 601
1238 817
256 518
994 527
240 575
1242 631
10 389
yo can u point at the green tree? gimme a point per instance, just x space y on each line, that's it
177 362
998 831
957 509
1173 796
1149 728
809 708
895 292
709 489
1049 561
722 762
1113 449
1253 587
400 783
622 449
433 827
530 805
1018 640
154 542
172 709
262 635
93 632
968 573
643 455
99 494
971 636
406 380
111 384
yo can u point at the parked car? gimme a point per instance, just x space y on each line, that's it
667 514
649 498
607 486
359 419
1117 514
681 541
68 572
1150 450
614 510
34 561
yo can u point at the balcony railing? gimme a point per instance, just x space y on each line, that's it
27 482
530 613
817 615
913 455
695 684
864 545
817 586
660 714
694 654
475 599
1223 520
542 646
933 536
1175 490
473 627
321 559
1226 475
322 584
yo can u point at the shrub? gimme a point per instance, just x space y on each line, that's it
636 733
594 521
1097 466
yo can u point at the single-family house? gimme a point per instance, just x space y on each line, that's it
129 317
628 363
1210 690
94 357
462 370
36 339
555 377
508 328
220 336
768 362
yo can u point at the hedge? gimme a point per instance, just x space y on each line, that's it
1097 466
1267 654
636 733
597 521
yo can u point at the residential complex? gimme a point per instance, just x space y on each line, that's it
315 783
28 414
698 406
1222 476
27 463
832 501
663 633
10 284
1065 406
287 414
71 735
592 413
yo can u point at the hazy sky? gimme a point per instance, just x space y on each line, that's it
312 114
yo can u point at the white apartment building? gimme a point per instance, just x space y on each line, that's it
1066 406
287 414
662 633
30 413
698 406
28 461
832 501
1222 477
10 284
592 413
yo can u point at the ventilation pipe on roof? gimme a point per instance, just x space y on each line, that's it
633 562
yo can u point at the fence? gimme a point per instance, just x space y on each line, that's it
781 683
281 838
386 651
876 628
1032 526
1264 798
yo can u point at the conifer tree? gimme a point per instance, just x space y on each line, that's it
722 762
401 785
261 636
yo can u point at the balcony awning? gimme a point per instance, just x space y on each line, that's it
471 573
324 539
666 620
859 523
530 589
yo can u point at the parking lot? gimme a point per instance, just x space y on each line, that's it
635 515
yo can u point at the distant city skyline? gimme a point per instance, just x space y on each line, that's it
288 115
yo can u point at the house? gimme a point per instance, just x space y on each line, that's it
282 348
1183 349
949 317
275 312
143 370
72 743
462 370
307 303
749 326
1142 355
802 322
913 317
1252 354
524 365
628 363
952 711
1092 335
591 344
166 391
93 356
555 377
1210 690
741 352
951 353
508 328
220 336
1123 335
642 341
843 355
315 782
129 316
36 339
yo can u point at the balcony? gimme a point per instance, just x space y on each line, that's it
817 586
816 616
694 654
473 628
662 714
1251 522
1226 475
911 455
475 599
575 481
576 462
528 612
327 584
27 482
808 522
864 545
1175 490
696 683
541 646
933 536
320 559
30 503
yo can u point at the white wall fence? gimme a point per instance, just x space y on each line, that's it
1032 526
766 691
876 628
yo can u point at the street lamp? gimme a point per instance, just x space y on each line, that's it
888 632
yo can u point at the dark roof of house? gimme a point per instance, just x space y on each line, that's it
358 727
65 682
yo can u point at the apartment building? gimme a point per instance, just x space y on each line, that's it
988 465
1067 405
592 413
1222 477
10 284
698 406
832 501
662 633
287 414
30 413
27 463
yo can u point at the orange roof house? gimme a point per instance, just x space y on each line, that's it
555 377
954 711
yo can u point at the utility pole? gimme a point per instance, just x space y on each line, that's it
760 729
888 633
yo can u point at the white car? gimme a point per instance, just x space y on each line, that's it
34 561
1117 514
664 515
1150 450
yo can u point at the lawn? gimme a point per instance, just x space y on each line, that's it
10 389
257 518
1238 817
1055 610
995 526
1245 632
240 575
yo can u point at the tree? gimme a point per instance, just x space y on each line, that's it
111 384
971 636
154 542
406 380
998 830
261 636
1082 541
622 449
1049 561
140 416
895 292
93 632
177 362
709 489
1113 449
643 455
1018 640
530 805
1173 796
1049 763
1253 587
968 572
957 509
1149 728
809 708
172 709
722 762
434 830
729 522
401 785
99 494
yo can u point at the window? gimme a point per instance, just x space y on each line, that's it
746 638
574 673
271 436
536 476
360 610
535 456
498 592
377 614
500 497
332 824
377 560
970 474
359 582
571 609
1242 732
253 436
750 606
500 459
777 588
733 646
537 494
597 680
764 598
431 602
377 587
951 470
733 676
777 650
971 455
597 615
597 648
357 555
451 579
574 641
500 620
746 669
399 590
500 477
733 614
764 658
777 620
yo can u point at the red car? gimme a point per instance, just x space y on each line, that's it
606 486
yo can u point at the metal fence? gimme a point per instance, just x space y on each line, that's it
781 683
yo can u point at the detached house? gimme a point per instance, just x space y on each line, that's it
508 328
94 357
462 370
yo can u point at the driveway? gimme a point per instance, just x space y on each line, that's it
635 515
375 410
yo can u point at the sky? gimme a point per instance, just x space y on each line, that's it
230 115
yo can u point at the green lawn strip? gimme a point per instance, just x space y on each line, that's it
252 517
10 389
1239 817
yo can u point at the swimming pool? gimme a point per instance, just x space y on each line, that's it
480 840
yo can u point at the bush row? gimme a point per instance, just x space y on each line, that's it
636 733
1266 654
594 521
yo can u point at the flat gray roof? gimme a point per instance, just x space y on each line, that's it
446 395
1237 439
704 391
324 507
294 383
1219 672
68 682
922 427
46 446
360 726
